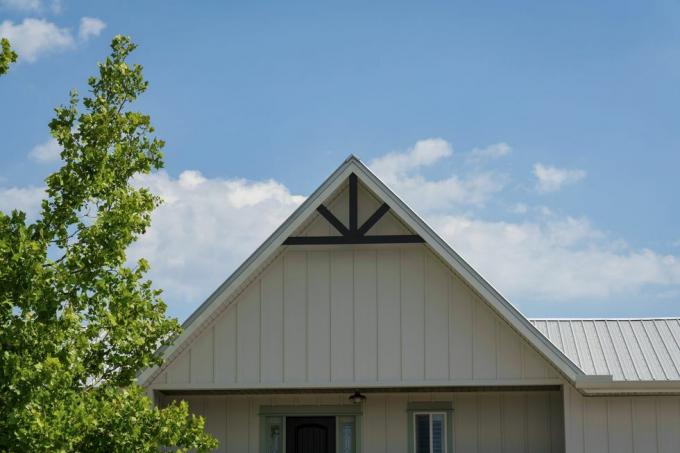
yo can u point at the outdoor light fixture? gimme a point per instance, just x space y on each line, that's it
357 397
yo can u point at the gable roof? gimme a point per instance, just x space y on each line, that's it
216 303
630 350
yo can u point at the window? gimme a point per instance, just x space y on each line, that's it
430 427
430 432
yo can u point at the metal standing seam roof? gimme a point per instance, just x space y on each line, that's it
627 349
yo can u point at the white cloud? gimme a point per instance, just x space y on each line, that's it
205 228
25 199
551 179
555 261
424 153
402 172
491 152
34 38
46 152
89 27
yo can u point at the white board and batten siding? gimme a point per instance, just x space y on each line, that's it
510 422
364 316
621 424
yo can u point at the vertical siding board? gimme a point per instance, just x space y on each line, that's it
533 366
436 321
216 420
254 403
294 316
538 422
596 426
374 435
620 425
484 343
489 417
389 316
225 347
179 371
366 316
460 335
340 206
248 335
396 423
238 423
367 204
668 424
272 323
202 358
509 353
514 422
318 313
413 313
644 425
465 422
342 316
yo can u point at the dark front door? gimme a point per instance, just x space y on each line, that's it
310 434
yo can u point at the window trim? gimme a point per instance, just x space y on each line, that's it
429 408
444 430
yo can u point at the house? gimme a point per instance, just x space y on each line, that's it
355 328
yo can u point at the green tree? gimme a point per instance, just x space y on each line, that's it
7 56
76 322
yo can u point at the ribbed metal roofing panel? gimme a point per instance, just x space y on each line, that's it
627 349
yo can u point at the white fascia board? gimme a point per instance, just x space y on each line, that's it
592 387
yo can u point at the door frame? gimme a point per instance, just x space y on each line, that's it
344 414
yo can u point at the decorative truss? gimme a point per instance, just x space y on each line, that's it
353 234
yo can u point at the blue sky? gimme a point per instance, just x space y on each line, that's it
549 130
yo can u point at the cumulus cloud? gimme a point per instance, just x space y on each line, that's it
90 27
205 228
561 260
551 179
402 171
34 38
25 199
45 152
491 152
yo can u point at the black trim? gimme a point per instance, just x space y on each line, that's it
353 203
328 215
330 240
377 215
354 235
369 390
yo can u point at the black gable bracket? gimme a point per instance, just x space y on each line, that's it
353 234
